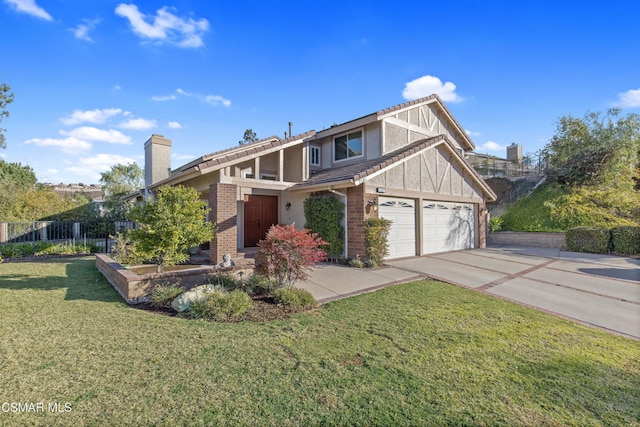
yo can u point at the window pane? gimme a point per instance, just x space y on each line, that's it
341 148
315 156
355 144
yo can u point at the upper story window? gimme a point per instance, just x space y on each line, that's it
347 146
314 155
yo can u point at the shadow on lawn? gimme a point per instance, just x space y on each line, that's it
81 279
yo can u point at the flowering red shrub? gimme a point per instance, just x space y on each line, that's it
289 253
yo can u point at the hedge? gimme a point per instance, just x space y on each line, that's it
625 240
588 239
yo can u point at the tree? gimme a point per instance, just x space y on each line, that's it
117 182
595 150
248 137
6 98
15 179
290 253
171 224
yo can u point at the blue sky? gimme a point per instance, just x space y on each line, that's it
94 79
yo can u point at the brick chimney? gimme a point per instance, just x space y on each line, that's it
157 160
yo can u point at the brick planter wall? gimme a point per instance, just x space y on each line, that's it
527 239
136 288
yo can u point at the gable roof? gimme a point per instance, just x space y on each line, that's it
229 156
358 173
381 114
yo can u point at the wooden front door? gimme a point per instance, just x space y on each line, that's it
260 213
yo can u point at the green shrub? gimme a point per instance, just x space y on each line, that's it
294 297
356 262
163 295
495 224
376 231
588 239
323 215
258 284
625 240
124 250
18 250
221 305
227 281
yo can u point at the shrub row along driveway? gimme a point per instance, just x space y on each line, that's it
598 290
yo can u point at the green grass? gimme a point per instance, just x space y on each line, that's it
423 353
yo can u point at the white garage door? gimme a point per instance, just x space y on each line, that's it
402 235
447 226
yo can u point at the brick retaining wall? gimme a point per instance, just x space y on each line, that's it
136 288
530 239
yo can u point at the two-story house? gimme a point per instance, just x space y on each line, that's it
405 163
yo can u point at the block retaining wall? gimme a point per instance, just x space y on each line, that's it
136 288
527 239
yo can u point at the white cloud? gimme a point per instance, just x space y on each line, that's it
428 85
629 99
138 124
52 171
491 146
69 145
209 99
117 88
91 116
174 125
89 133
217 100
30 8
472 133
163 98
164 26
93 166
81 31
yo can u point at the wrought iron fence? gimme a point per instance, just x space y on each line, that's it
98 232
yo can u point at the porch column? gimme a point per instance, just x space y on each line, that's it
483 218
224 213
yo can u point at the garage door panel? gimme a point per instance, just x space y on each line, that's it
448 226
402 233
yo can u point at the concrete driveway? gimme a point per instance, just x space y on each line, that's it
598 290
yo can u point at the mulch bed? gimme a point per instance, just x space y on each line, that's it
263 309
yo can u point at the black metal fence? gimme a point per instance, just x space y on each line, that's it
98 232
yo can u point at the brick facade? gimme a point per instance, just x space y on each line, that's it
224 212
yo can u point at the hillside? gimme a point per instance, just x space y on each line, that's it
555 207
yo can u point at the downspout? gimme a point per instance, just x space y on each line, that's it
346 227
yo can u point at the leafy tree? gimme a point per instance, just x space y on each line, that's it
15 179
43 203
171 224
595 150
290 253
248 137
117 182
6 98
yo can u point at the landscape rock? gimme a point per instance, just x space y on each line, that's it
183 301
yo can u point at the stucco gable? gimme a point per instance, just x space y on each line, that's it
432 161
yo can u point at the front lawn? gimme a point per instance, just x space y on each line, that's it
424 353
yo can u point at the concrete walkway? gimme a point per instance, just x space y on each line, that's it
598 290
